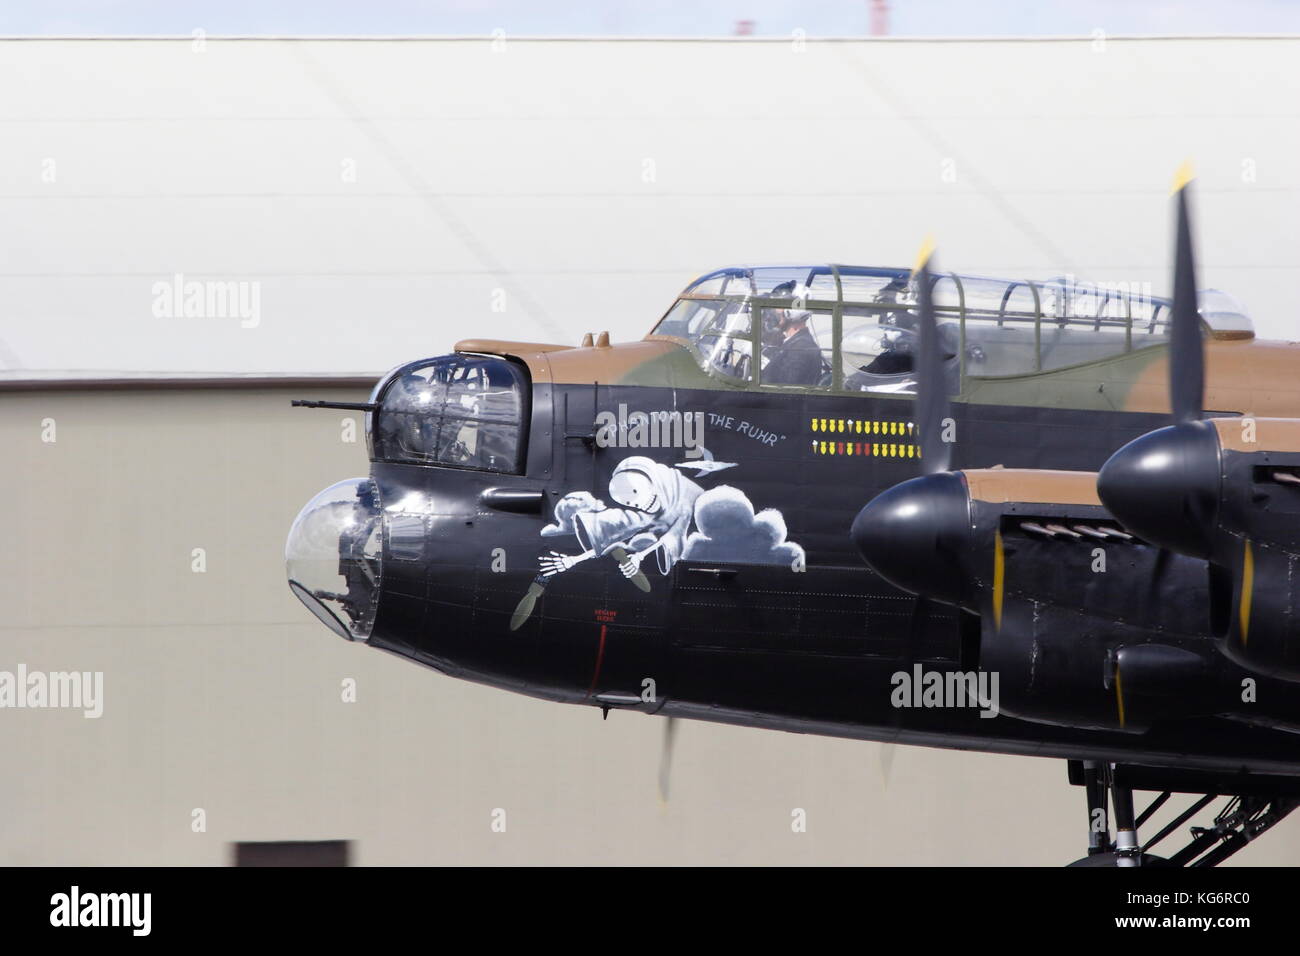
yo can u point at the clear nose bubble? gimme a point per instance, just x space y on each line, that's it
333 557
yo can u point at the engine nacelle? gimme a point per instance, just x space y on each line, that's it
1069 620
1226 490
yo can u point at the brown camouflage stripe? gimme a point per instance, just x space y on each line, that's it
1032 486
1242 375
1252 435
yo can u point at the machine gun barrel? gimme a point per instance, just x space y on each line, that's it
349 406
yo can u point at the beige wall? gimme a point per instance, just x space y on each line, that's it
221 692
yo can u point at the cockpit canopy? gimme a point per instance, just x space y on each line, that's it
464 411
855 327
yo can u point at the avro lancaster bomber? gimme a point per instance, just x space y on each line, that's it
900 505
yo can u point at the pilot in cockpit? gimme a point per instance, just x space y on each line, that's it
896 354
797 360
883 350
888 347
793 355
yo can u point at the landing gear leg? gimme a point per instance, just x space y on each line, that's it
1255 804
1098 825
1127 850
1102 784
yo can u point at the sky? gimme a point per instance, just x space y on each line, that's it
647 17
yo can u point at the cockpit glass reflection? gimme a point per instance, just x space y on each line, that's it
459 410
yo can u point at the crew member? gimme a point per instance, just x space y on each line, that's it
797 359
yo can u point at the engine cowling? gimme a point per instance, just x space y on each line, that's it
1227 490
1069 619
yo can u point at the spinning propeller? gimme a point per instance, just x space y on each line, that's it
1186 353
1222 489
911 533
876 529
932 412
1165 485
974 539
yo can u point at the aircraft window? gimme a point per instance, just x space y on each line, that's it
1019 328
1000 333
878 285
798 346
821 286
718 332
873 352
994 327
688 317
1087 323
460 410
879 339
709 285
1224 314
794 282
333 556
1063 346
714 318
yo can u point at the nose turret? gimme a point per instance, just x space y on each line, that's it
333 556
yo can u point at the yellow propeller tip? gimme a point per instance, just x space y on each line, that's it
926 251
1184 176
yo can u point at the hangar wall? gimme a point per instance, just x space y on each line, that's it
222 693
382 196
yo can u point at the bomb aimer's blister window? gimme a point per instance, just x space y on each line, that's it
333 557
463 411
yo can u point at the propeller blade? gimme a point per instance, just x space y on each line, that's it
1186 352
666 758
931 389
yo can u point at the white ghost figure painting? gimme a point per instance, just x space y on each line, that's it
654 508
657 510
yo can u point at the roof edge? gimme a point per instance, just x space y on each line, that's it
175 382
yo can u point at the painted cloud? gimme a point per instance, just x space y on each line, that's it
729 530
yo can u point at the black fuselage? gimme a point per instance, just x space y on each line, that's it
810 645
